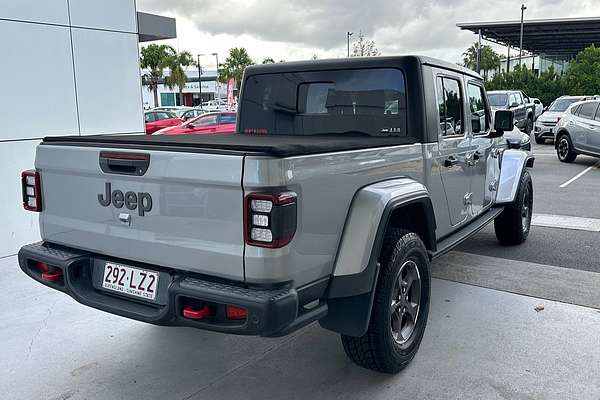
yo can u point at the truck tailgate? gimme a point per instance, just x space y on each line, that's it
195 220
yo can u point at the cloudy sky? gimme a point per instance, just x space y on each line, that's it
297 29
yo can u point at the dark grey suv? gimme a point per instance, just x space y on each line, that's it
578 131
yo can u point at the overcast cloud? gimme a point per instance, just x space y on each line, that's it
297 29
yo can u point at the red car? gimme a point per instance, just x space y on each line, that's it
217 122
156 120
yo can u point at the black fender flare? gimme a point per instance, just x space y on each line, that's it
350 298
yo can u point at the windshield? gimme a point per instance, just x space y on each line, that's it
498 99
370 102
560 105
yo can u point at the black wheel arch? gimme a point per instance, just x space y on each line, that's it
350 297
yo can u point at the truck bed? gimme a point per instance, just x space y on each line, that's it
268 145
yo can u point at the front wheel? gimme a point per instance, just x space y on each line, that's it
564 149
400 307
512 226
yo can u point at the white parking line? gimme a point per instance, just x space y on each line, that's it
566 222
579 175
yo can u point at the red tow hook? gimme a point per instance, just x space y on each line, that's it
52 276
49 274
193 313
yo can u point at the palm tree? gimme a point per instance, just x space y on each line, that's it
177 64
155 58
234 65
490 60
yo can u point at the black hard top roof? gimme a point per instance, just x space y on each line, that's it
355 62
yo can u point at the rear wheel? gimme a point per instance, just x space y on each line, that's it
539 140
513 224
529 126
400 307
564 149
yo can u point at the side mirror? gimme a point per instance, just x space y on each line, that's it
504 121
514 104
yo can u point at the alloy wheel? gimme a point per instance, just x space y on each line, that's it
406 301
526 210
563 148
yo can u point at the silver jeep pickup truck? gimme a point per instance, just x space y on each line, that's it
345 178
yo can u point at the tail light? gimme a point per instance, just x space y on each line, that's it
234 312
32 193
270 219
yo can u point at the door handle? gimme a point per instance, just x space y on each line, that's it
450 162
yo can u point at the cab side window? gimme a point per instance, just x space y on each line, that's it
450 103
150 117
478 110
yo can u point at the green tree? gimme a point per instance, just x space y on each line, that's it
583 76
364 47
268 60
547 86
178 78
490 60
234 65
155 58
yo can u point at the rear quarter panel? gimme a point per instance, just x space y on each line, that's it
326 185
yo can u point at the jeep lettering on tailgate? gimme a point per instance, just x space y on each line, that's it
140 200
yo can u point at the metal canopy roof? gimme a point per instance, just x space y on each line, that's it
554 37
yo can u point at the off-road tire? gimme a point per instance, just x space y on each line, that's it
512 226
529 126
566 154
377 349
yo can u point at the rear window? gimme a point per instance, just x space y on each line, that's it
498 99
560 105
366 102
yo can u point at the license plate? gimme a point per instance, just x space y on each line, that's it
128 280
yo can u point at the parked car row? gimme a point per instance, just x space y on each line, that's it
545 126
156 120
217 122
518 102
578 131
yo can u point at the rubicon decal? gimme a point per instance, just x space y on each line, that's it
132 200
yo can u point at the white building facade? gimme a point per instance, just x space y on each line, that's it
167 96
84 56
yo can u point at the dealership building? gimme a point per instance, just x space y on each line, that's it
211 89
85 56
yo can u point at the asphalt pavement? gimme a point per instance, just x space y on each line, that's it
575 249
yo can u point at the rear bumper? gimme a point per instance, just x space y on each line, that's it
270 312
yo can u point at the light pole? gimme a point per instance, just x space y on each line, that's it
479 53
217 86
348 34
523 8
200 80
